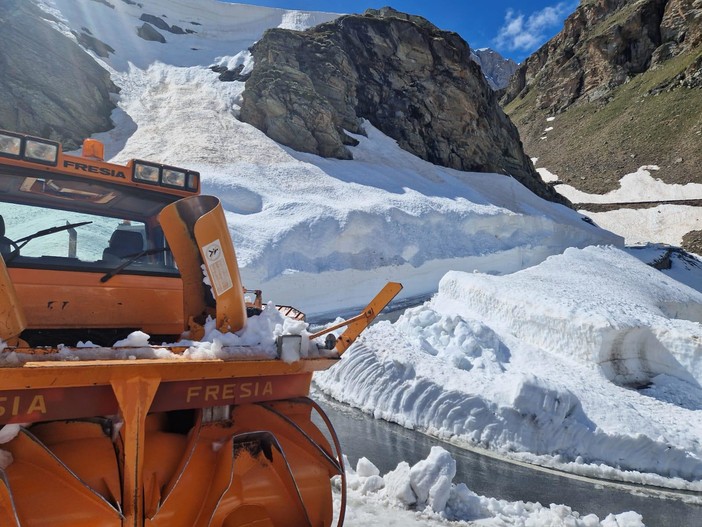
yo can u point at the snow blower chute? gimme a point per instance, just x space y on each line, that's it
114 430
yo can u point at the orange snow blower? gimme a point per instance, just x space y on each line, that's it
116 431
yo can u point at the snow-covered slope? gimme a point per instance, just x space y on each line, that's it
308 230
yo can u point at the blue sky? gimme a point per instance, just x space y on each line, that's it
514 28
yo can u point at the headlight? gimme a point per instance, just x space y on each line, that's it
173 178
165 176
41 151
193 181
146 173
10 145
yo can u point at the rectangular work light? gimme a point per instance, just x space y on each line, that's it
165 176
41 151
147 173
28 148
193 181
172 177
10 145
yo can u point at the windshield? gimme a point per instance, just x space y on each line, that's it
66 239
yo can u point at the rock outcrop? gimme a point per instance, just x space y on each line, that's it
50 86
149 32
414 82
160 23
622 80
604 43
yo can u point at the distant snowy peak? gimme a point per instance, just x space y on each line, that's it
497 69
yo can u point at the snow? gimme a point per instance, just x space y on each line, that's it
425 494
659 224
257 340
543 340
541 365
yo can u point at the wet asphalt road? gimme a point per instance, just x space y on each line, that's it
386 444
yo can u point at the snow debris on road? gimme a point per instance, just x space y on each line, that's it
424 494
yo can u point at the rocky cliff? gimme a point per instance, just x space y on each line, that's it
412 81
621 85
50 86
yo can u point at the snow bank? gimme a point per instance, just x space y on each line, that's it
427 488
539 365
598 306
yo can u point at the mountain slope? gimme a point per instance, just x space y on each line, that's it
497 70
300 221
37 63
623 80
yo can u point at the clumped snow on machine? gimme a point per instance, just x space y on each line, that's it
99 261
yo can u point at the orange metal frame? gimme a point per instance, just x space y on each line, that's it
66 299
135 388
92 169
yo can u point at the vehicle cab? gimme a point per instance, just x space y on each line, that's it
83 245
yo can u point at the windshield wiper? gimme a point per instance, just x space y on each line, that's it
129 260
45 232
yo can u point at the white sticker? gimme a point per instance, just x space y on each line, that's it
217 268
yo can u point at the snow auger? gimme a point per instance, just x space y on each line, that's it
129 433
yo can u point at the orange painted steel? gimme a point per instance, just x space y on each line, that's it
92 169
61 299
265 464
356 325
197 233
12 317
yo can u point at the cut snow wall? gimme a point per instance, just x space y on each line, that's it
623 331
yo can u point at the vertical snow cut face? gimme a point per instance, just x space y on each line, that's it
597 306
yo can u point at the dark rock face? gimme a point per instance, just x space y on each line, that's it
96 45
414 82
227 75
148 32
692 241
160 23
603 44
50 87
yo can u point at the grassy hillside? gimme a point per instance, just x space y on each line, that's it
649 120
